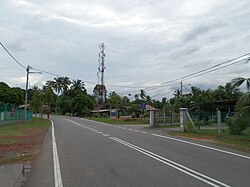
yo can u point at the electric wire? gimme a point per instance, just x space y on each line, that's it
12 56
164 84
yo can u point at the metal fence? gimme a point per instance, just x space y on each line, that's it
209 118
167 118
9 113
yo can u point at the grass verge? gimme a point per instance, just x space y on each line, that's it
121 121
20 141
237 142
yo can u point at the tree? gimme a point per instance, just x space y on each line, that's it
58 84
136 97
114 100
237 82
239 123
11 95
65 83
78 85
48 96
142 94
82 104
37 102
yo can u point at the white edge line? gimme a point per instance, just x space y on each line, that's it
57 171
167 163
204 146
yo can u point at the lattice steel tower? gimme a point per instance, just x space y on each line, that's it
100 88
101 64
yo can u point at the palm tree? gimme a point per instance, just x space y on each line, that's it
136 97
65 83
237 82
78 85
142 94
58 85
243 103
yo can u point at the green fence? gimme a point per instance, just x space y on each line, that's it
208 118
9 112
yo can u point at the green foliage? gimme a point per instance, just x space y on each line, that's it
114 100
188 126
243 102
200 123
82 104
37 102
11 95
237 124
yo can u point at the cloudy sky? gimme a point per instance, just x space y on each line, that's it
148 42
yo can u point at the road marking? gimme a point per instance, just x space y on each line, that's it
130 129
124 127
188 171
204 146
57 171
144 132
136 131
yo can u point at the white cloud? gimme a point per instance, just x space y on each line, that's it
147 42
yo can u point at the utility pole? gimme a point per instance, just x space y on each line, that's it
26 93
181 88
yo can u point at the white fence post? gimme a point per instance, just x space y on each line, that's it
219 121
152 118
183 117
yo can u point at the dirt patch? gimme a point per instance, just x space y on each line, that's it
21 148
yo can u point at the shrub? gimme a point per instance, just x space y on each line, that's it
188 126
200 123
237 124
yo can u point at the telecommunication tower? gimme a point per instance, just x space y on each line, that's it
100 89
101 64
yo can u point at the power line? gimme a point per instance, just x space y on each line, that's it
12 56
183 78
199 73
214 66
202 72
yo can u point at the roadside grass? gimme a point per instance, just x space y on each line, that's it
164 126
16 129
238 142
16 158
121 121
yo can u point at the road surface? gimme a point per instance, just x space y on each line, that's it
79 152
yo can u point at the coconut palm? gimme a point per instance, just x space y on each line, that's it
142 94
58 85
78 85
237 82
65 83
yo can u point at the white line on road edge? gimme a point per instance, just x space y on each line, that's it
57 171
195 174
204 146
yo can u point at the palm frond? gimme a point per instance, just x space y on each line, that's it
243 102
237 82
248 84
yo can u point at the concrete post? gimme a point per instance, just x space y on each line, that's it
152 118
219 121
183 117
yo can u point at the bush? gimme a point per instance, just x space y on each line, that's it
188 126
200 123
237 124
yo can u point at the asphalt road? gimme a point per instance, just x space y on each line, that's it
96 154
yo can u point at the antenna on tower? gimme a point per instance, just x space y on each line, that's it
100 89
101 63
